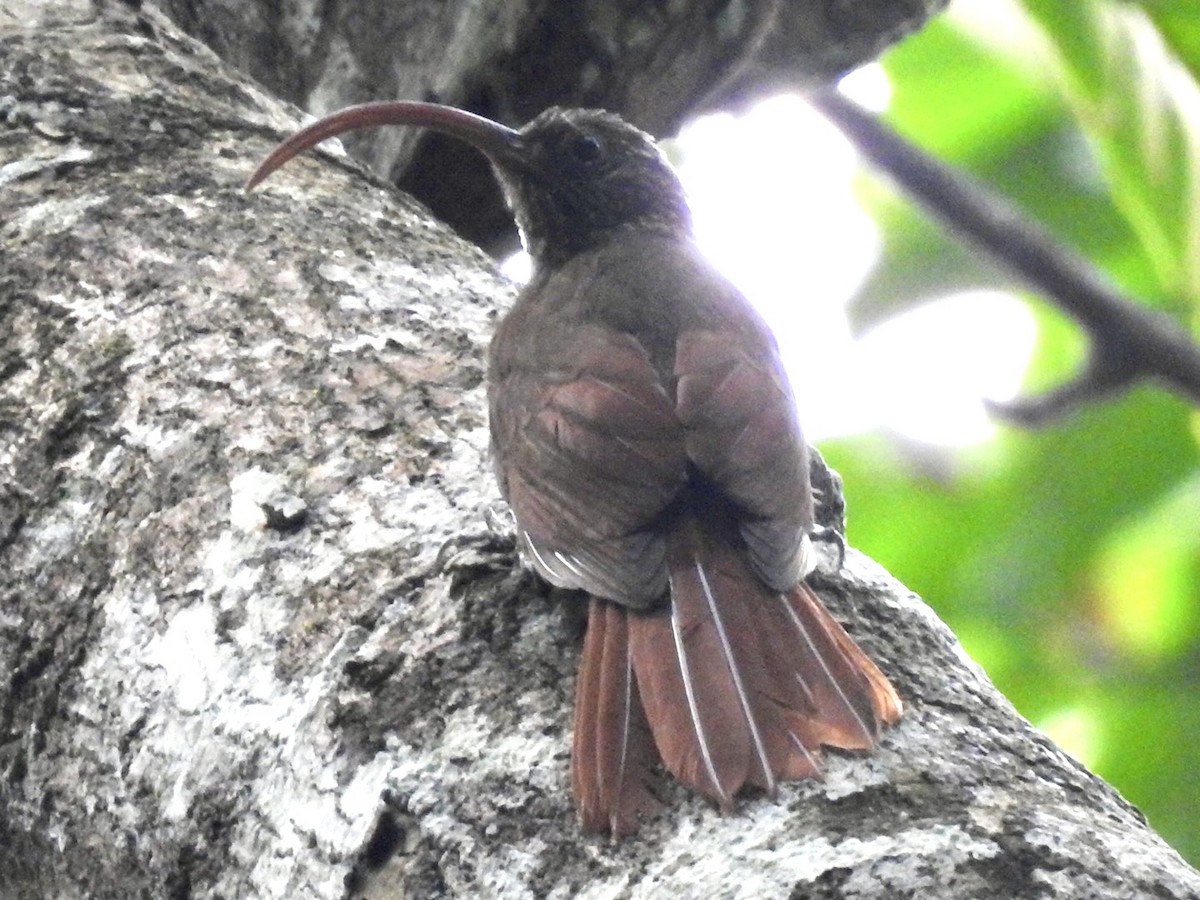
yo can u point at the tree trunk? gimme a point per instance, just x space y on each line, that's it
260 637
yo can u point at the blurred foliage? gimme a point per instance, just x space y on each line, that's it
1067 559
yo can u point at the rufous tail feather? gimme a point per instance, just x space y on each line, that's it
734 684
613 751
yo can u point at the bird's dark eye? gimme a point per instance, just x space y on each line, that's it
586 149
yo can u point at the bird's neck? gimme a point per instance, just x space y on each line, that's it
550 253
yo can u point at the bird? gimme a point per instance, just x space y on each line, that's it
645 435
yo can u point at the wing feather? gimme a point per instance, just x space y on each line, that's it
743 437
597 457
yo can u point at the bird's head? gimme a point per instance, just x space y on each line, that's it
574 178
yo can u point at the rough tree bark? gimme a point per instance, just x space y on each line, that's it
258 640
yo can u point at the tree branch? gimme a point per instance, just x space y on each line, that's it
1128 342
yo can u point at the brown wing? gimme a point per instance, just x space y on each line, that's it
590 452
743 437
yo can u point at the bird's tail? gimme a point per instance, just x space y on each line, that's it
734 684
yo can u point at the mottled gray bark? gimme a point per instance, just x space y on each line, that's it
654 62
257 638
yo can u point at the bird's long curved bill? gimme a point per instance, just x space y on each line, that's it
493 139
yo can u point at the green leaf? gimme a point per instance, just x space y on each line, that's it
1138 103
1178 22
